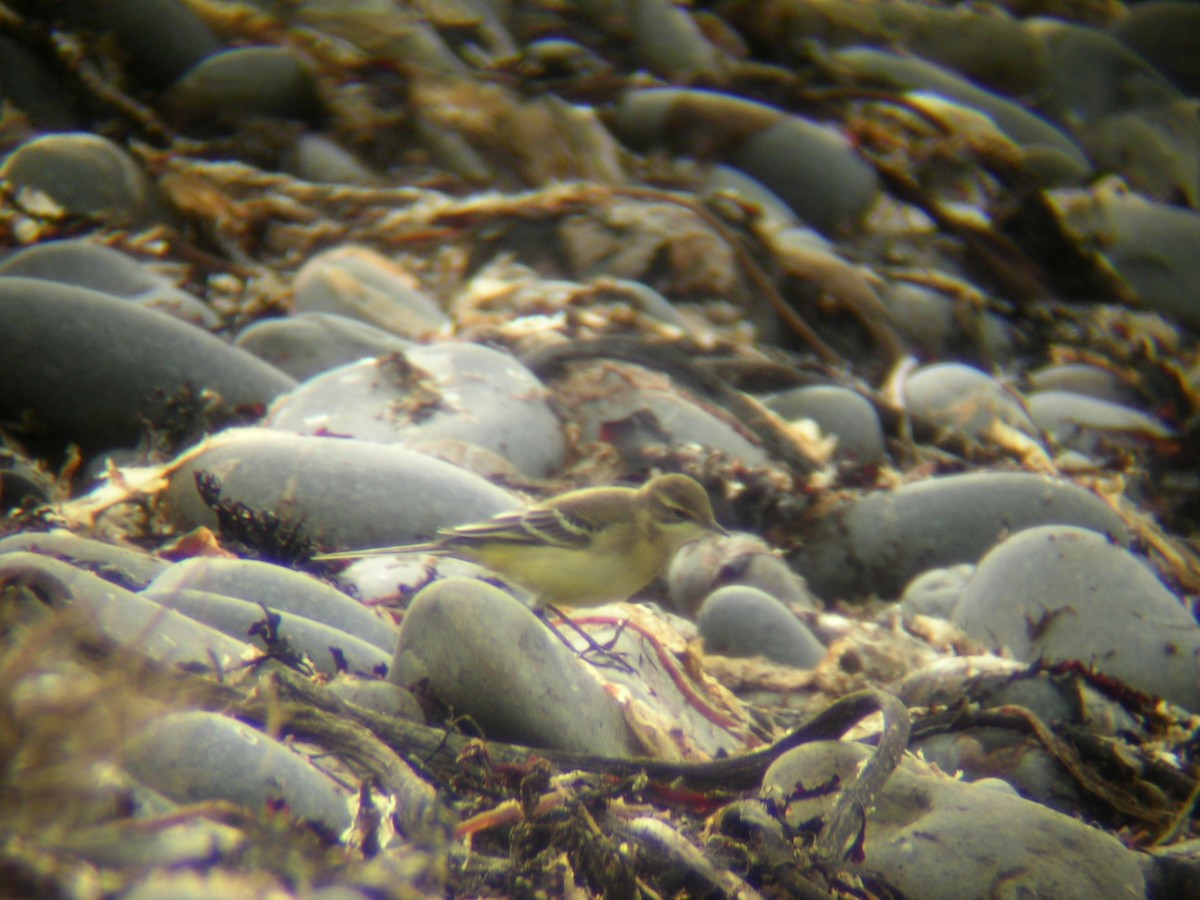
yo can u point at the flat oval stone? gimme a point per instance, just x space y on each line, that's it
1083 379
1153 247
703 566
1064 593
306 344
125 566
359 283
342 494
108 271
330 650
932 836
1092 426
444 392
492 659
632 407
195 756
912 73
743 621
838 411
875 544
963 399
160 39
830 190
936 592
93 369
125 618
87 175
234 86
279 588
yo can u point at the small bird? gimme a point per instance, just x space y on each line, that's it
581 548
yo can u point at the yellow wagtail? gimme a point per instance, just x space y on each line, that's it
581 548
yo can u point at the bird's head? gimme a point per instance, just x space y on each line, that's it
679 509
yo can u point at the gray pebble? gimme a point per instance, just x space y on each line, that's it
444 392
743 621
328 648
282 589
934 837
838 411
361 284
702 566
936 592
876 543
125 618
108 271
87 175
1065 593
490 658
341 494
196 756
94 369
308 343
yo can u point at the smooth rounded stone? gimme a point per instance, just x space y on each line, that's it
330 650
1092 426
643 297
813 168
1153 247
1156 151
307 344
94 370
838 411
191 757
1090 74
702 566
1174 870
316 158
938 838
39 91
964 400
1063 593
992 681
122 565
743 621
100 268
1081 378
668 41
434 394
490 658
123 617
232 87
1010 756
129 843
937 326
379 696
361 284
280 588
1163 32
341 494
159 39
910 73
87 175
721 179
830 191
875 544
633 407
936 592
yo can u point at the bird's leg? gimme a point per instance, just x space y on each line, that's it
614 658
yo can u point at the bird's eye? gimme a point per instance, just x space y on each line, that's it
675 514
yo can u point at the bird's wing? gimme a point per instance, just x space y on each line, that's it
545 526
